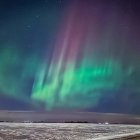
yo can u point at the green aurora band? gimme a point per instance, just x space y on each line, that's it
88 61
78 76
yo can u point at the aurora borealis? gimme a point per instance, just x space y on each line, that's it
73 55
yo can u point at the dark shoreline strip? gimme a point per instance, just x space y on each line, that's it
131 137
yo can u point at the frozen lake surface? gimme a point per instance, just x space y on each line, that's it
63 131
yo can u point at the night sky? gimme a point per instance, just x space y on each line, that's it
70 55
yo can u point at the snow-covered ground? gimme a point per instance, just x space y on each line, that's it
64 131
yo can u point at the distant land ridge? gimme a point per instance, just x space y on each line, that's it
85 117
